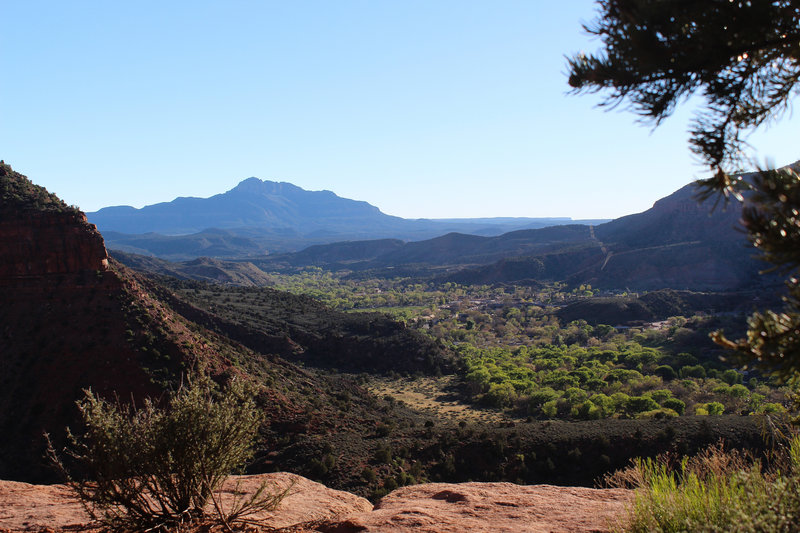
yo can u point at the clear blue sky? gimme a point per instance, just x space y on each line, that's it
427 108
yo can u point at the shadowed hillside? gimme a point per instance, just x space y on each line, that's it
678 243
70 320
304 330
657 305
240 273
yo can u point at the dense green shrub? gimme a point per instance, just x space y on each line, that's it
660 395
605 403
661 412
771 407
695 371
640 404
541 396
665 372
675 404
588 410
731 377
501 394
710 408
738 391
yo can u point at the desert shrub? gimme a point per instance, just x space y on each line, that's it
390 484
640 404
369 475
588 411
731 377
665 372
710 408
675 404
696 371
660 395
383 454
716 491
659 413
383 430
154 467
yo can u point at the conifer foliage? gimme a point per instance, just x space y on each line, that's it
743 58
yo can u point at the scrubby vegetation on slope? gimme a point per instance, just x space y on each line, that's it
18 195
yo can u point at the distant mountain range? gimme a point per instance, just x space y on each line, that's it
678 243
259 217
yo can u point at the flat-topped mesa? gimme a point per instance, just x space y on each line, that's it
41 235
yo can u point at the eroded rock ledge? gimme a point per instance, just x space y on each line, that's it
310 506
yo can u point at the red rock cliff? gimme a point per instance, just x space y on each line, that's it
40 235
36 244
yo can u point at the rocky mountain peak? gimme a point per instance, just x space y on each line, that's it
264 187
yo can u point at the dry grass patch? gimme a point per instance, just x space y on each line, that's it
433 396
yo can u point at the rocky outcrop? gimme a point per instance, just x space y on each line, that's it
26 507
495 507
38 244
68 322
310 506
40 235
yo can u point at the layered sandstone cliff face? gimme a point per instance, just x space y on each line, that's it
70 321
67 323
59 321
37 244
40 235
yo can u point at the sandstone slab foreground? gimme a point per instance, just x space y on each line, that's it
25 507
491 507
310 506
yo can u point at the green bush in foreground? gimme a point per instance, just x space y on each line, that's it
717 491
155 467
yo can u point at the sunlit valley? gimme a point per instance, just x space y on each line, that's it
401 379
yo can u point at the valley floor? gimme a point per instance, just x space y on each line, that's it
434 397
